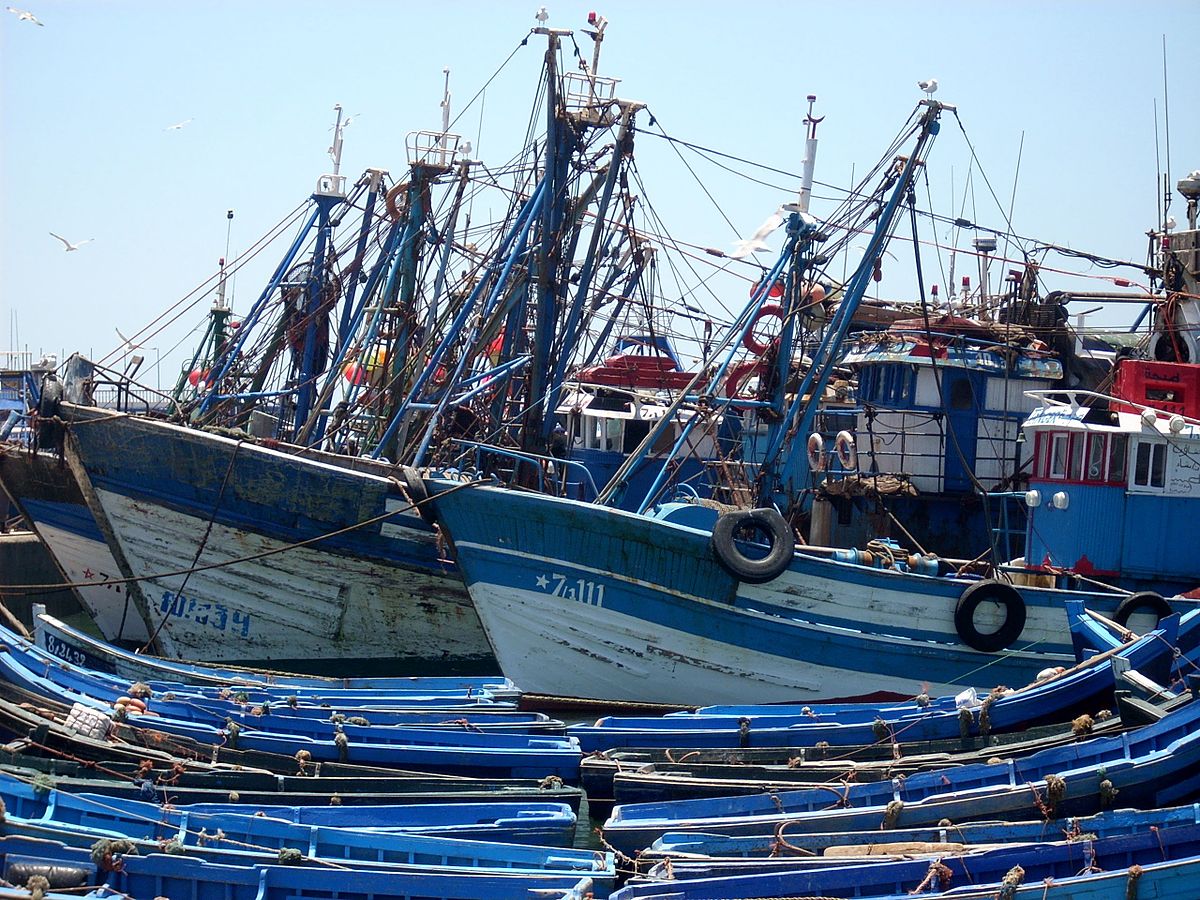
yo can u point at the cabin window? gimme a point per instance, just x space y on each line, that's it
635 430
1058 455
1076 471
1117 446
962 395
1095 457
868 384
895 385
1150 464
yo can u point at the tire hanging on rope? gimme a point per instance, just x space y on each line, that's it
990 591
767 522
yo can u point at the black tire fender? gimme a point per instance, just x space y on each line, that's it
1142 601
768 522
990 591
418 494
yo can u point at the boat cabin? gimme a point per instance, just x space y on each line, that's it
1114 489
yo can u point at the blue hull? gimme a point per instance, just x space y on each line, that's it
588 601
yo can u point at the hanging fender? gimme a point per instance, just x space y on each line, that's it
750 342
748 569
847 453
1141 602
989 591
817 459
737 375
393 199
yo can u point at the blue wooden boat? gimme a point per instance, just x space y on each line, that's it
438 750
444 855
1157 764
782 845
168 875
681 603
74 646
1087 687
1121 862
549 824
485 835
78 675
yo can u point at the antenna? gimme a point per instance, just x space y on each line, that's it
445 104
810 155
335 151
221 304
1167 127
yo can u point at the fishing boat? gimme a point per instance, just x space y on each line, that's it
1104 867
312 545
172 875
1148 767
45 493
1056 697
680 847
545 824
454 751
940 401
683 603
73 646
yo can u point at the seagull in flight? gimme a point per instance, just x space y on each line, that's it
126 341
24 15
177 126
758 241
68 244
929 85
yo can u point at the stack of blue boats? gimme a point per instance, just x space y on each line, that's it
1098 809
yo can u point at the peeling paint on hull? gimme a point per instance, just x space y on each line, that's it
172 499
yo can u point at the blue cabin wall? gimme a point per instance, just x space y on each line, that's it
1160 538
1092 526
1149 538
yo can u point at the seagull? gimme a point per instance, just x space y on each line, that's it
68 244
24 15
127 342
177 125
542 15
929 85
758 241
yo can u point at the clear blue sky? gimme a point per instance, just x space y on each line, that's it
88 98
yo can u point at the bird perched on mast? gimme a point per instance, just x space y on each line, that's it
542 15
929 85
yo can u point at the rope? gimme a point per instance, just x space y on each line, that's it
34 588
152 641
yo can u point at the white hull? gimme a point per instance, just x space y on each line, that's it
82 560
548 645
298 604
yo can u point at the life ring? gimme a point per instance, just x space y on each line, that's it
990 591
739 374
750 342
1142 601
765 521
418 494
392 200
817 460
847 453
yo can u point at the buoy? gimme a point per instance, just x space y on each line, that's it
816 452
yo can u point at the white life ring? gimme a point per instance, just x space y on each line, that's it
816 452
847 453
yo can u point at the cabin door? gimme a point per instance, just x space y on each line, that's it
963 394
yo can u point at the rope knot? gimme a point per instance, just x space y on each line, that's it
1010 883
891 814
